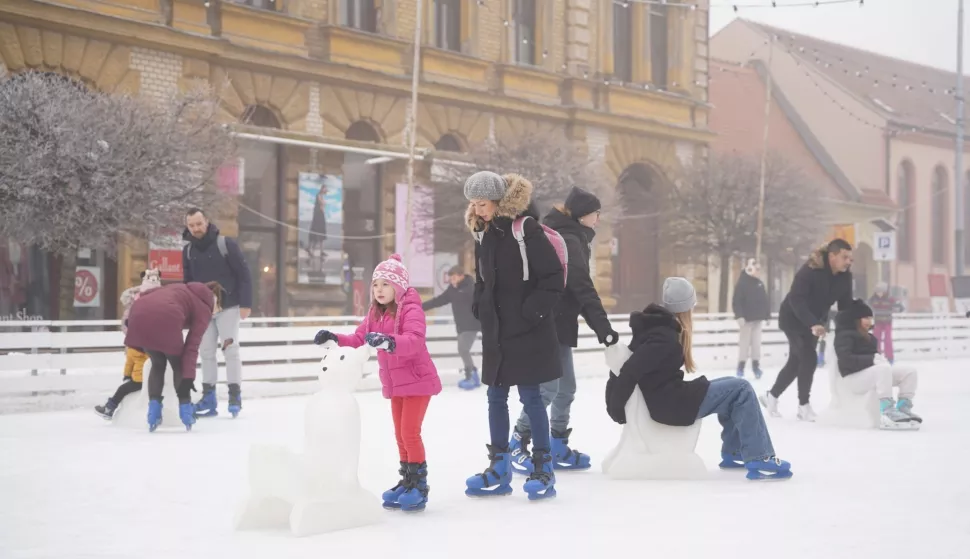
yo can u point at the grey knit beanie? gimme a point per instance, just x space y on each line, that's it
485 185
678 295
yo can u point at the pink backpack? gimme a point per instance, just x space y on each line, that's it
555 238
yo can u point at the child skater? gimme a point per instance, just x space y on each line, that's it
661 346
883 306
395 325
134 359
862 367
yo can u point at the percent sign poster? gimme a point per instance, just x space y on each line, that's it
87 286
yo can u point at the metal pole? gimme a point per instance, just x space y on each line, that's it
959 180
413 125
764 152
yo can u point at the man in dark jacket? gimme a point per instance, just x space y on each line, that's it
750 310
461 295
823 280
209 256
575 221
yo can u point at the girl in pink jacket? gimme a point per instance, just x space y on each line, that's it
395 325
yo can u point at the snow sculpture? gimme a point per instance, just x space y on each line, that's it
847 408
317 491
132 413
647 449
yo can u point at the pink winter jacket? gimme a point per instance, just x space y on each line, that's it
408 371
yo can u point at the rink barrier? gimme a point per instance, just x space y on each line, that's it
282 349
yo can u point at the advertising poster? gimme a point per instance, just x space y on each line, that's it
87 286
165 254
419 257
321 223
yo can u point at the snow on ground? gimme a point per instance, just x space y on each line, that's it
74 486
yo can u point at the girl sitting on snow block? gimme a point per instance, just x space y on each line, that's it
861 365
661 346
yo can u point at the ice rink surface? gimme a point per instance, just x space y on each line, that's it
74 486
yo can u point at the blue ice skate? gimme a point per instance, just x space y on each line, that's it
542 481
740 373
496 479
107 411
731 461
769 469
154 414
235 400
756 368
565 458
519 451
471 380
416 496
206 407
391 496
187 415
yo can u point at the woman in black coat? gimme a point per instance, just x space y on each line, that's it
515 306
575 220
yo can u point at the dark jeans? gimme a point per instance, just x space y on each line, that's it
560 393
498 415
156 377
125 389
743 428
802 361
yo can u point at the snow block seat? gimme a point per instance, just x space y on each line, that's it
132 412
848 408
318 491
647 449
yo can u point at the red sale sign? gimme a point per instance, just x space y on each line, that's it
87 286
168 262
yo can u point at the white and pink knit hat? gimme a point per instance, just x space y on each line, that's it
393 271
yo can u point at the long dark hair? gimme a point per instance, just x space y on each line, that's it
217 290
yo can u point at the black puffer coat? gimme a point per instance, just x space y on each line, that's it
655 367
519 343
580 296
750 299
856 351
813 291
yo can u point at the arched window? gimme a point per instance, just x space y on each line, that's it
939 205
362 132
448 142
261 210
907 211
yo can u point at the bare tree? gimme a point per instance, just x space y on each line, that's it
551 162
714 211
79 167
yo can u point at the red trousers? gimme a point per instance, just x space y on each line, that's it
884 335
408 413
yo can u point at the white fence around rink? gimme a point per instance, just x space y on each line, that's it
62 356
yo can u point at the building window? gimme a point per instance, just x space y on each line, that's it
658 46
907 210
939 205
448 142
622 43
447 24
359 14
260 4
524 20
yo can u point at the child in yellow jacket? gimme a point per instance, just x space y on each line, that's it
134 359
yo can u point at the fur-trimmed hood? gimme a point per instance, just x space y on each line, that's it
818 259
517 201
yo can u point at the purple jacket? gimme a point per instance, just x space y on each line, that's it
408 371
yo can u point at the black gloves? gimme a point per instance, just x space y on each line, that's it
380 341
608 338
324 336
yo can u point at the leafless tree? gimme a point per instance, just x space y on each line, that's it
552 163
714 211
79 167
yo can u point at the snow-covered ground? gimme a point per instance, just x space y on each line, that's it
74 486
